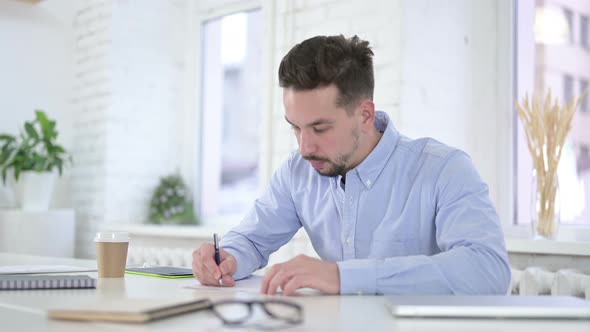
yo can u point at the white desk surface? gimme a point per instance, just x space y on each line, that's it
25 310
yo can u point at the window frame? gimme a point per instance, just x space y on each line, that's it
568 87
570 18
197 14
584 84
584 32
507 205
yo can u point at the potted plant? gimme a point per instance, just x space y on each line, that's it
33 158
171 203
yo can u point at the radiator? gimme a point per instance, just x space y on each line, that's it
540 281
146 256
530 281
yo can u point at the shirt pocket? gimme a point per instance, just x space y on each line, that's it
388 247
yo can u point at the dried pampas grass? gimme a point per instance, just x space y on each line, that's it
546 125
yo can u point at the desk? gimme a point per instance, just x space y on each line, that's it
25 310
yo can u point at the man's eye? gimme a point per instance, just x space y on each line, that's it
319 130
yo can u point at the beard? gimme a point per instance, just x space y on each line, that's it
332 168
340 164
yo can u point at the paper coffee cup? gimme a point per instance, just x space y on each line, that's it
111 253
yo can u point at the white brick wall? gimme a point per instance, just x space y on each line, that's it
437 68
92 97
128 90
450 73
373 20
434 67
290 22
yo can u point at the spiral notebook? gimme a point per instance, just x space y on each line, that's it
13 282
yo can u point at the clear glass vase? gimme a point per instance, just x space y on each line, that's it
545 206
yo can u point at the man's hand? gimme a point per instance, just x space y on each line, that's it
300 272
206 270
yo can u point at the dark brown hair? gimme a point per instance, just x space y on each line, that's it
323 60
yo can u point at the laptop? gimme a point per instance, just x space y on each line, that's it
489 306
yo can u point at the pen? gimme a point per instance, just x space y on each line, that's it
217 259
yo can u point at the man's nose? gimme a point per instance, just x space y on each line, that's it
307 145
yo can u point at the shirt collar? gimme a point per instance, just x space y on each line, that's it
370 168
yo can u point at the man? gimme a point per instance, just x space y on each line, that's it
385 213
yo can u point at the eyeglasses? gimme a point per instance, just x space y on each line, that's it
237 312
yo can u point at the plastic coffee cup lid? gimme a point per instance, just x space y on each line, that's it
112 237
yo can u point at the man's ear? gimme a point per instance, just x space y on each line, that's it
367 114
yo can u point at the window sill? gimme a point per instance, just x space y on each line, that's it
219 225
513 244
182 231
547 247
171 231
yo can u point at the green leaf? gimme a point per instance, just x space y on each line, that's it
4 173
4 156
38 163
7 138
34 148
58 162
49 132
42 118
31 131
11 155
8 146
4 170
56 149
52 132
16 172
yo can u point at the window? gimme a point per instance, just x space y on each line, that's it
583 162
584 31
568 88
584 88
552 63
230 114
569 16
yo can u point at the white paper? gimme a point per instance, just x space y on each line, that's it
250 284
30 269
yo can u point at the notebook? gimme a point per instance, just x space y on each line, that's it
128 310
489 306
36 269
11 282
162 272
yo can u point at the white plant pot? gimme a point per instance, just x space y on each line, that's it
35 190
7 199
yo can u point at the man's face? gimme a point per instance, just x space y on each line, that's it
328 137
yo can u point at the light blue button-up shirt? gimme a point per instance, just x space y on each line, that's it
414 218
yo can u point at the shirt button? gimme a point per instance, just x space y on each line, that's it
360 292
368 182
348 241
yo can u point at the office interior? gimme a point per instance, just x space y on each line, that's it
142 90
